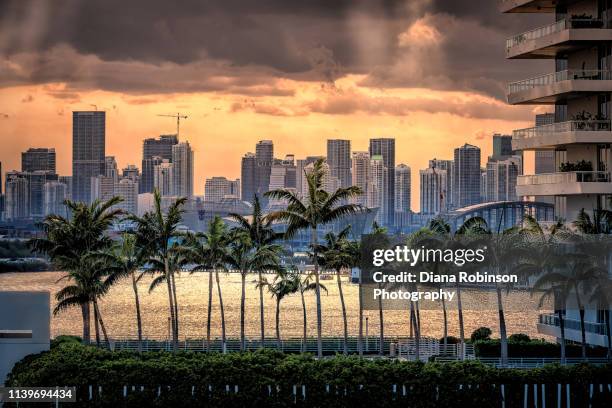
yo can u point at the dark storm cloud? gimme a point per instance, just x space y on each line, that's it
160 46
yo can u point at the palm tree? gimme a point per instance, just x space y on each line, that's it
245 257
124 260
317 208
284 284
208 251
306 285
157 232
69 242
259 229
601 223
337 254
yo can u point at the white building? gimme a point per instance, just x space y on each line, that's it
433 183
182 160
55 194
163 178
360 175
377 187
218 188
127 189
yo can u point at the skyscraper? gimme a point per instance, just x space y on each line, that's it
36 191
218 188
264 156
163 178
447 190
182 161
38 159
402 188
501 178
127 189
110 168
339 160
55 193
160 148
466 177
502 145
17 197
88 150
131 172
300 167
377 188
433 182
360 175
247 177
385 147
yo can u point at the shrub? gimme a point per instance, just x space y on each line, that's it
450 340
269 378
519 338
481 333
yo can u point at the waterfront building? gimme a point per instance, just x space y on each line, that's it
247 177
433 184
385 148
360 175
466 176
339 160
153 152
88 151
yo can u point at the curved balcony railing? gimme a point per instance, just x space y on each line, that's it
560 127
564 177
573 324
554 77
551 29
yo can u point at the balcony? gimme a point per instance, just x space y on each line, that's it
531 6
596 333
559 37
562 133
564 183
559 86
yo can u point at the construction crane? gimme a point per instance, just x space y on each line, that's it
178 117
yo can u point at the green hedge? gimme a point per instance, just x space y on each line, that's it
534 348
338 381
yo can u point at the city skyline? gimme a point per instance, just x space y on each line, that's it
199 185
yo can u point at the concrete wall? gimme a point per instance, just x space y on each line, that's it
24 327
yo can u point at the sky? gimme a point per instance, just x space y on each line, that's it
430 73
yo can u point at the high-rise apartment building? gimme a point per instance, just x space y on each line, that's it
88 150
127 189
433 184
447 190
55 193
163 178
38 159
247 177
36 190
182 162
500 180
110 168
385 147
466 176
545 159
218 188
300 167
131 172
17 196
153 152
402 188
339 160
579 40
360 175
102 188
377 188
264 157
67 180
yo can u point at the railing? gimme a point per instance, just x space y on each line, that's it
554 77
564 177
560 127
551 29
573 324
530 362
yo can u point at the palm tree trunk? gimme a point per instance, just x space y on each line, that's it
339 279
278 339
608 326
360 346
502 329
104 333
445 333
242 300
222 310
170 304
562 331
210 293
583 334
138 316
461 326
304 319
314 242
381 320
417 345
96 326
176 310
86 322
262 325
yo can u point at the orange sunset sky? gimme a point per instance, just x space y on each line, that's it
358 72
